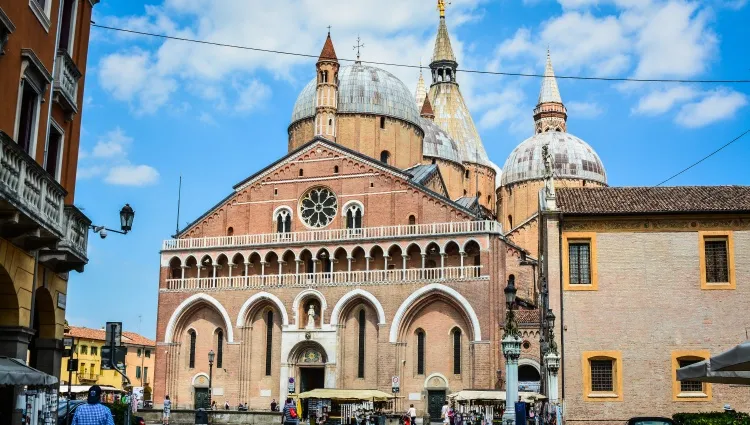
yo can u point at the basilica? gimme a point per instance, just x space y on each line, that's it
379 247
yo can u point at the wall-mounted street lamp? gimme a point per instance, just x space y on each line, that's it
211 356
126 223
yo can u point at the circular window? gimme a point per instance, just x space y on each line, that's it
318 207
526 345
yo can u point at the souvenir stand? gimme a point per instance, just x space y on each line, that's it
331 406
28 396
483 407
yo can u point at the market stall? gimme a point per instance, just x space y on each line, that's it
80 392
484 407
32 391
346 407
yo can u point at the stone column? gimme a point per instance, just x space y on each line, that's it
511 351
182 272
463 255
367 263
552 361
14 342
403 268
49 356
442 265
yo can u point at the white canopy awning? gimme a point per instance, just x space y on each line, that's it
492 395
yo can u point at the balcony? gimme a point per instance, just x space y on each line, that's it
87 377
67 75
33 214
313 280
335 235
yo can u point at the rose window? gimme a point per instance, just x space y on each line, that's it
318 207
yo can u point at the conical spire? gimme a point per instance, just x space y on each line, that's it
427 109
549 91
421 92
328 53
443 50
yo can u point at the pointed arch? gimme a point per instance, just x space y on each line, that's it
305 294
351 295
425 290
259 297
191 301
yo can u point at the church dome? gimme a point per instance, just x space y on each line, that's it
363 89
437 143
573 159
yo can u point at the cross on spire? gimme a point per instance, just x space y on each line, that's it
329 30
358 46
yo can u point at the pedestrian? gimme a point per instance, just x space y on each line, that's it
728 409
290 416
273 405
226 405
166 410
213 405
444 413
412 413
93 412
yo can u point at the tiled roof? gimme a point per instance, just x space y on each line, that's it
654 200
101 335
328 53
421 173
469 202
549 91
427 108
443 50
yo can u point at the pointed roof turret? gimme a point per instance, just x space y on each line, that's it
427 109
443 50
421 92
549 91
328 53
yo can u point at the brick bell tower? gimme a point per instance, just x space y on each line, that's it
327 92
550 113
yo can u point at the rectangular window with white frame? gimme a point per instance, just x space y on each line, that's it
42 10
27 121
53 151
68 25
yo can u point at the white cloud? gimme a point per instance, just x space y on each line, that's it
132 175
112 145
132 77
584 109
251 95
718 105
502 107
660 101
109 158
206 118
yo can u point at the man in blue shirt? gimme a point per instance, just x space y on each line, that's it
93 413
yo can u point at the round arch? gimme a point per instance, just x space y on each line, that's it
351 295
257 298
189 302
425 290
309 292
298 349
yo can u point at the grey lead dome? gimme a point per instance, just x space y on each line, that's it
363 89
574 158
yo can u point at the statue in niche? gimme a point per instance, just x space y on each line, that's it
310 317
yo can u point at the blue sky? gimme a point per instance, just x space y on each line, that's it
155 110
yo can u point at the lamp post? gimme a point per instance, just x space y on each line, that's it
512 351
210 375
127 214
552 358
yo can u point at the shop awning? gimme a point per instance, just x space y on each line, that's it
702 372
735 359
492 395
337 394
77 389
16 372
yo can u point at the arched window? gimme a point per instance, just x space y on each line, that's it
385 156
191 361
301 172
230 231
219 348
456 351
361 351
466 175
420 352
354 216
325 76
269 341
335 169
489 199
412 220
283 220
510 222
382 122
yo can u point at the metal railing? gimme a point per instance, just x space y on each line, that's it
366 233
28 187
87 376
340 278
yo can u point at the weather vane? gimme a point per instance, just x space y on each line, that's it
359 44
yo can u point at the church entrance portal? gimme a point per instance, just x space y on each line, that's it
435 402
311 378
201 398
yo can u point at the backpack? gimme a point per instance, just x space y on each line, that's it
293 412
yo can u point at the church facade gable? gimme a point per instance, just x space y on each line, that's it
283 197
